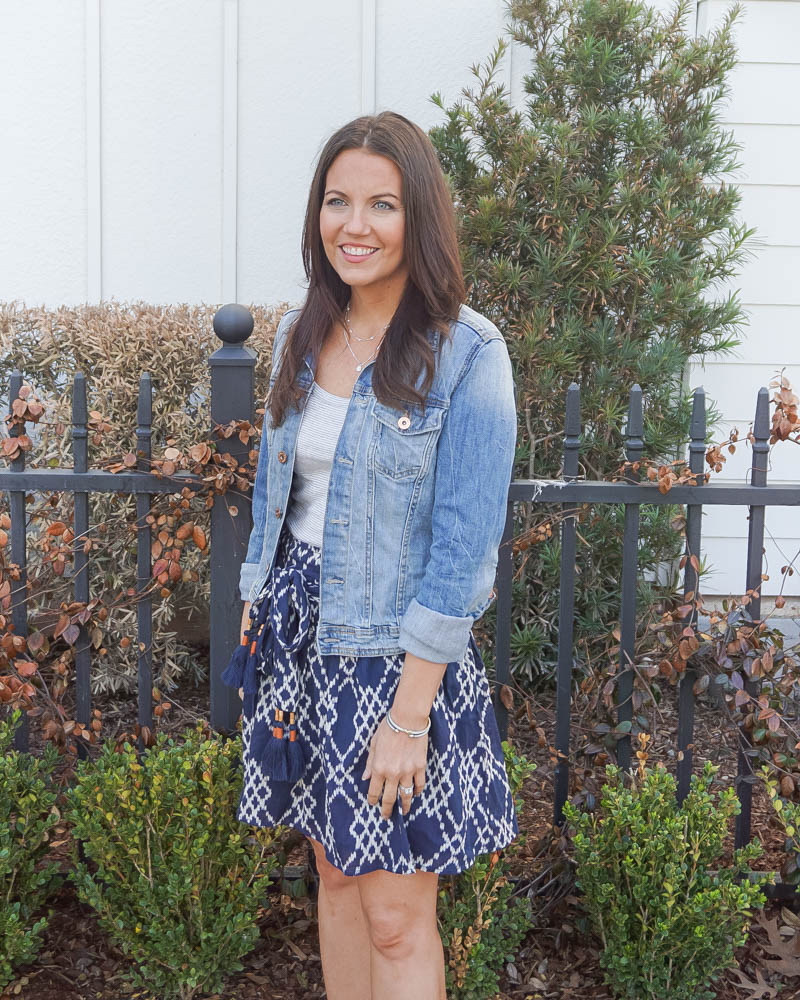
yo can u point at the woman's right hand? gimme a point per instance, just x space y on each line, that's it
245 626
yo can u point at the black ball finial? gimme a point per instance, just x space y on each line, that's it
233 323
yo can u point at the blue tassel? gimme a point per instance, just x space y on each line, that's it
258 739
274 759
234 672
296 754
250 674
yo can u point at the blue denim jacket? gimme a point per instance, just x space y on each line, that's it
414 514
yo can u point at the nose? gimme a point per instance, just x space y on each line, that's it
356 221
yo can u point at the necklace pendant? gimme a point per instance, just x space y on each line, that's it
358 368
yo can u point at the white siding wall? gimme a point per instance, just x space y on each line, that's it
764 114
162 150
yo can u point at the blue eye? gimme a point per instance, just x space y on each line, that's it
383 205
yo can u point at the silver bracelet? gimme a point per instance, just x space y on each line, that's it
409 732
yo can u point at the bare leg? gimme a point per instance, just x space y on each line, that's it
407 958
344 945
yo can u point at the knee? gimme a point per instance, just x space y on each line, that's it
392 930
332 876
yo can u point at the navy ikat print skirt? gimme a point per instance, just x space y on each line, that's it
465 808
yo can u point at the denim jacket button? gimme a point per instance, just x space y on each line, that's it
277 512
281 456
404 421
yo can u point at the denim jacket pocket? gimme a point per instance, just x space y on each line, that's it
399 451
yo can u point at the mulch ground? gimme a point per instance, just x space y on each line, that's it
558 960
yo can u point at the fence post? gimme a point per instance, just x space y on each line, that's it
232 370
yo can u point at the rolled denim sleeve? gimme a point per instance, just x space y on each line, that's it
473 468
250 566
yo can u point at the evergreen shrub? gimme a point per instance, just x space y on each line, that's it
176 880
669 919
28 813
787 811
596 227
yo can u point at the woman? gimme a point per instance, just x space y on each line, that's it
378 508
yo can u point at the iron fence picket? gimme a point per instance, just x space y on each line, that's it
634 445
80 575
144 561
694 515
566 606
755 563
502 647
19 548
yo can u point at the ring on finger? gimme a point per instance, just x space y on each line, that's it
406 789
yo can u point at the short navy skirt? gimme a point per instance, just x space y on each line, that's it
465 808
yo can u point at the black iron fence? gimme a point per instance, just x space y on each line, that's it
571 493
232 398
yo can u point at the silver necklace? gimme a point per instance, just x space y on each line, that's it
360 364
346 330
350 329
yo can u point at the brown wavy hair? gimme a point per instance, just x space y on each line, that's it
434 290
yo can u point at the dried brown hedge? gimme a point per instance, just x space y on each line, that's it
112 344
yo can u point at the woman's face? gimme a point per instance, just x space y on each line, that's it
362 220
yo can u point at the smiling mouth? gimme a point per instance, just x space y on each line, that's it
353 251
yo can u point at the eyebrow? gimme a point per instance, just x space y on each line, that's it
384 194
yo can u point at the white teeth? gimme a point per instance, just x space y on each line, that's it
359 251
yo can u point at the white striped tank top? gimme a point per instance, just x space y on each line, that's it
319 430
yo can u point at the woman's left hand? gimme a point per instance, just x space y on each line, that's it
394 759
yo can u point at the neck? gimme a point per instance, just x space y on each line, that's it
375 306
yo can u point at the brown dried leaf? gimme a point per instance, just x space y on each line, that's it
759 990
62 623
35 641
787 949
70 634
